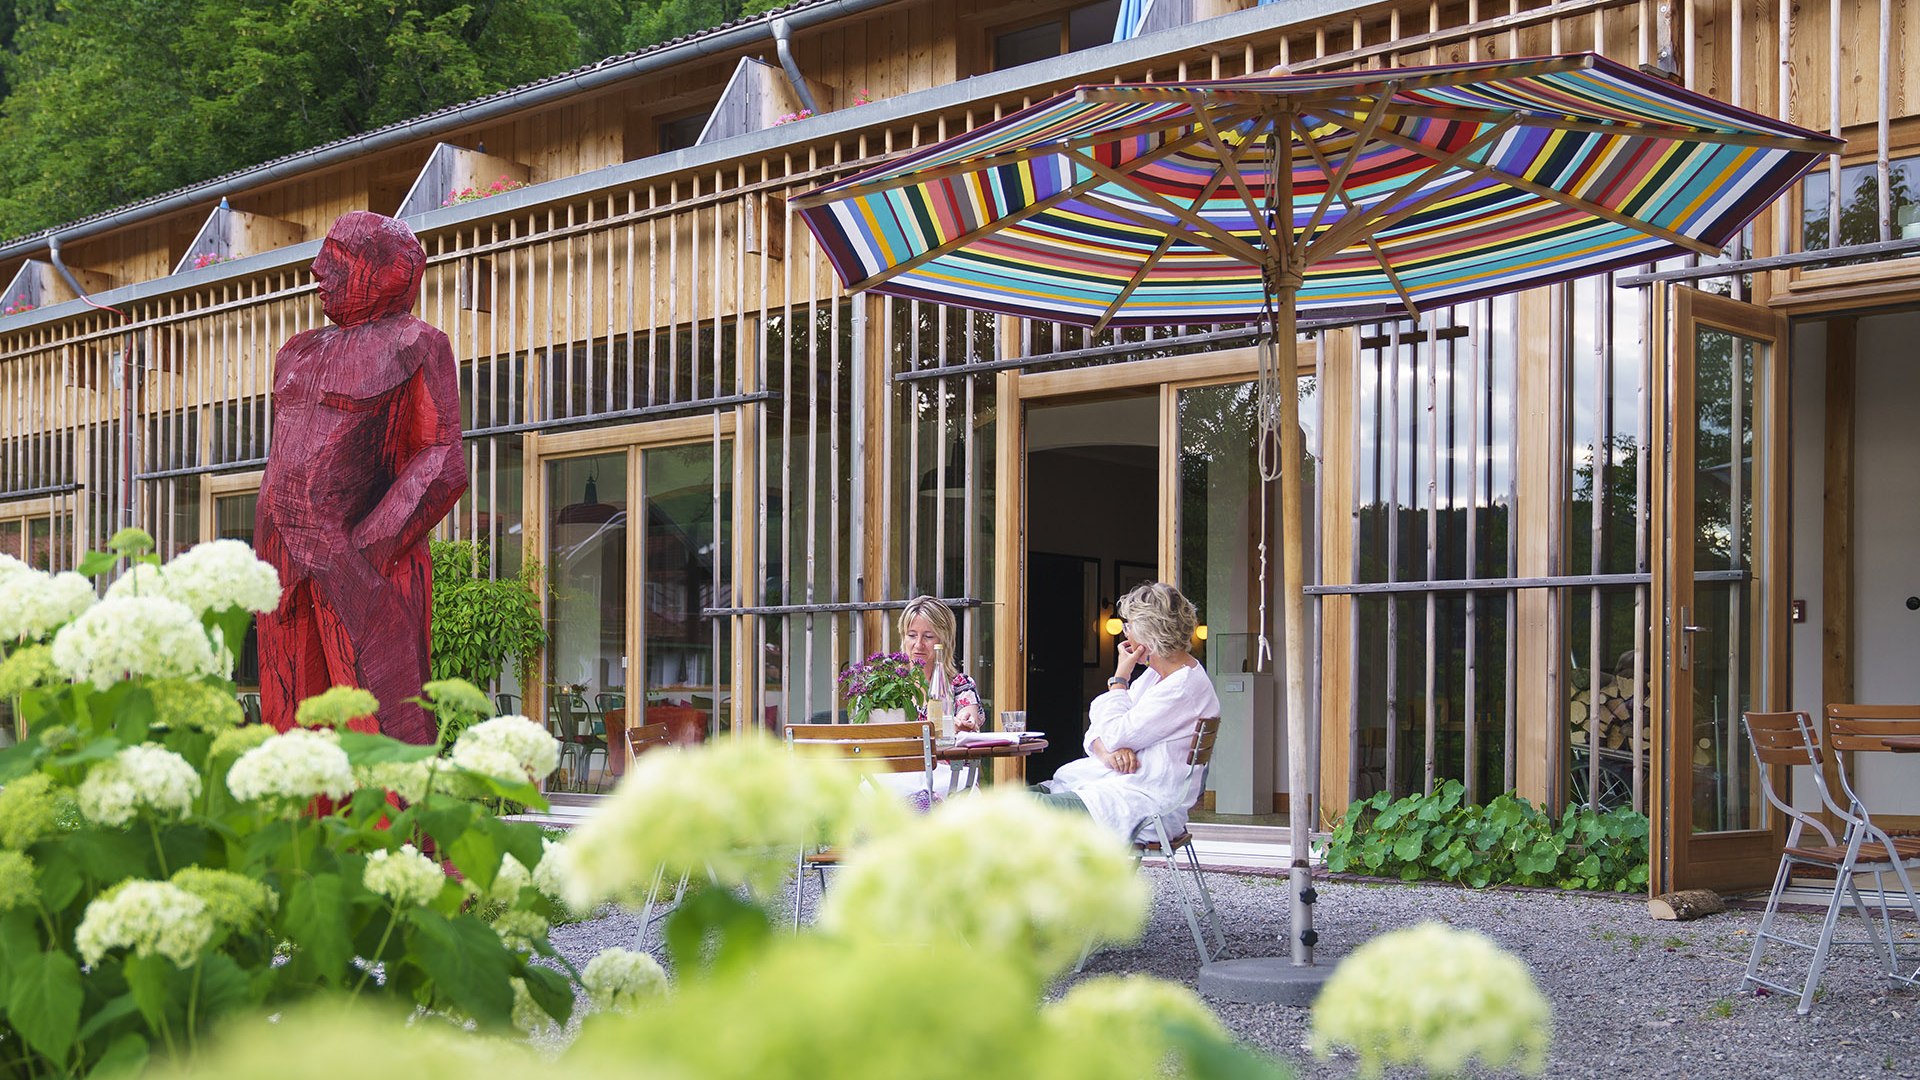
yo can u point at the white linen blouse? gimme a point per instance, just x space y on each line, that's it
1154 718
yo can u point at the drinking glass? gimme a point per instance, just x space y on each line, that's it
1013 722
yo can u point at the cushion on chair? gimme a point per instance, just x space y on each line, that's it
1177 841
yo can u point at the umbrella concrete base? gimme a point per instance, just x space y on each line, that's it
1263 980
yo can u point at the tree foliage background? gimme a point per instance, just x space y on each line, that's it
105 102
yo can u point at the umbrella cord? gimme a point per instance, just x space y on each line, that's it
1266 435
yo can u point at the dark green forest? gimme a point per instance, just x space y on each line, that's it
105 102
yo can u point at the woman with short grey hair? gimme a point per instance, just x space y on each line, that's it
1142 726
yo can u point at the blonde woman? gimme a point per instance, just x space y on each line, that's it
1142 726
924 623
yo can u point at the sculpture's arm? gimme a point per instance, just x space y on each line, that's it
430 471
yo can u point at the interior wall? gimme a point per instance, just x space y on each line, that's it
1886 535
1886 542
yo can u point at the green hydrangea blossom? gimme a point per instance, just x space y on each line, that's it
335 707
29 811
27 669
1435 998
239 740
235 902
17 888
180 704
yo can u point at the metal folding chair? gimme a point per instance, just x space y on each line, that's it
1788 738
876 748
1152 836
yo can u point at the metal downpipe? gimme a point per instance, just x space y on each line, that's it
783 45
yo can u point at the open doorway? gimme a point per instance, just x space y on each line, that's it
1093 530
1856 532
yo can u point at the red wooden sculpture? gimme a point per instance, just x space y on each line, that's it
365 460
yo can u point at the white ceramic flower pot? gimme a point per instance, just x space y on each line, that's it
887 716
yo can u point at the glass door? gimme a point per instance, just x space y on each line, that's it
1215 533
1725 655
686 566
587 560
669 563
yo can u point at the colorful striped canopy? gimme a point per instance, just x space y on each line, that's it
1408 188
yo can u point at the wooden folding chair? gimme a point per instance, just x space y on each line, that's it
1788 738
640 740
878 748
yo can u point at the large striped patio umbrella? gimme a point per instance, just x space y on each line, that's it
1344 194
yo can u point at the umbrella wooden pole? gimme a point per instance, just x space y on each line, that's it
1294 611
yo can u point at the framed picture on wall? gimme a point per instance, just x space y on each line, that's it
1129 575
1090 612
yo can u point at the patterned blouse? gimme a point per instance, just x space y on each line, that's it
964 693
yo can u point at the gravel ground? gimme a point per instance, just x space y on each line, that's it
1631 997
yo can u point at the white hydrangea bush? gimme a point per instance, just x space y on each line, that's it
294 766
221 574
134 637
997 870
406 877
34 604
511 749
140 777
147 917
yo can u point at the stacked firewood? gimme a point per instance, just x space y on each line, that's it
1607 707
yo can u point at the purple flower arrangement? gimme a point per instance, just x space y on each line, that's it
17 305
882 681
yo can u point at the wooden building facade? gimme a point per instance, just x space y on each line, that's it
1559 540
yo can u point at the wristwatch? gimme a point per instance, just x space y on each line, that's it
1118 683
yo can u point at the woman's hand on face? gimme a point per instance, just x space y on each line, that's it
1130 655
1123 761
967 717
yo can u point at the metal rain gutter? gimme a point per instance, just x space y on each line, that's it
440 123
783 45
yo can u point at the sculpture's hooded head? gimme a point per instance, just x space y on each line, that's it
369 267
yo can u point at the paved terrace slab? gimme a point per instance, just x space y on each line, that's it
1631 997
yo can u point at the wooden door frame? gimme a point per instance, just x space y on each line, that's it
633 439
1746 857
1015 391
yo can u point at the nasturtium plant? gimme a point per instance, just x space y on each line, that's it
1506 841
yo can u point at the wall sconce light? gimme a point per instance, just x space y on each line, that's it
1200 632
1114 626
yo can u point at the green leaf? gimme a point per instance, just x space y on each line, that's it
107 1015
316 920
43 1004
367 748
97 750
469 966
126 1056
134 718
477 856
741 929
95 563
550 990
108 856
150 979
224 987
1407 848
19 939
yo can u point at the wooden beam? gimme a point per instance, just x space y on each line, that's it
1133 283
1335 189
1336 186
1534 489
1231 159
1836 525
1010 538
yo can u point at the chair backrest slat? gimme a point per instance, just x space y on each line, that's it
1206 732
646 737
1860 728
878 747
1783 738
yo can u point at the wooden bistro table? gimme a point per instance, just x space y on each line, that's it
965 757
1903 744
